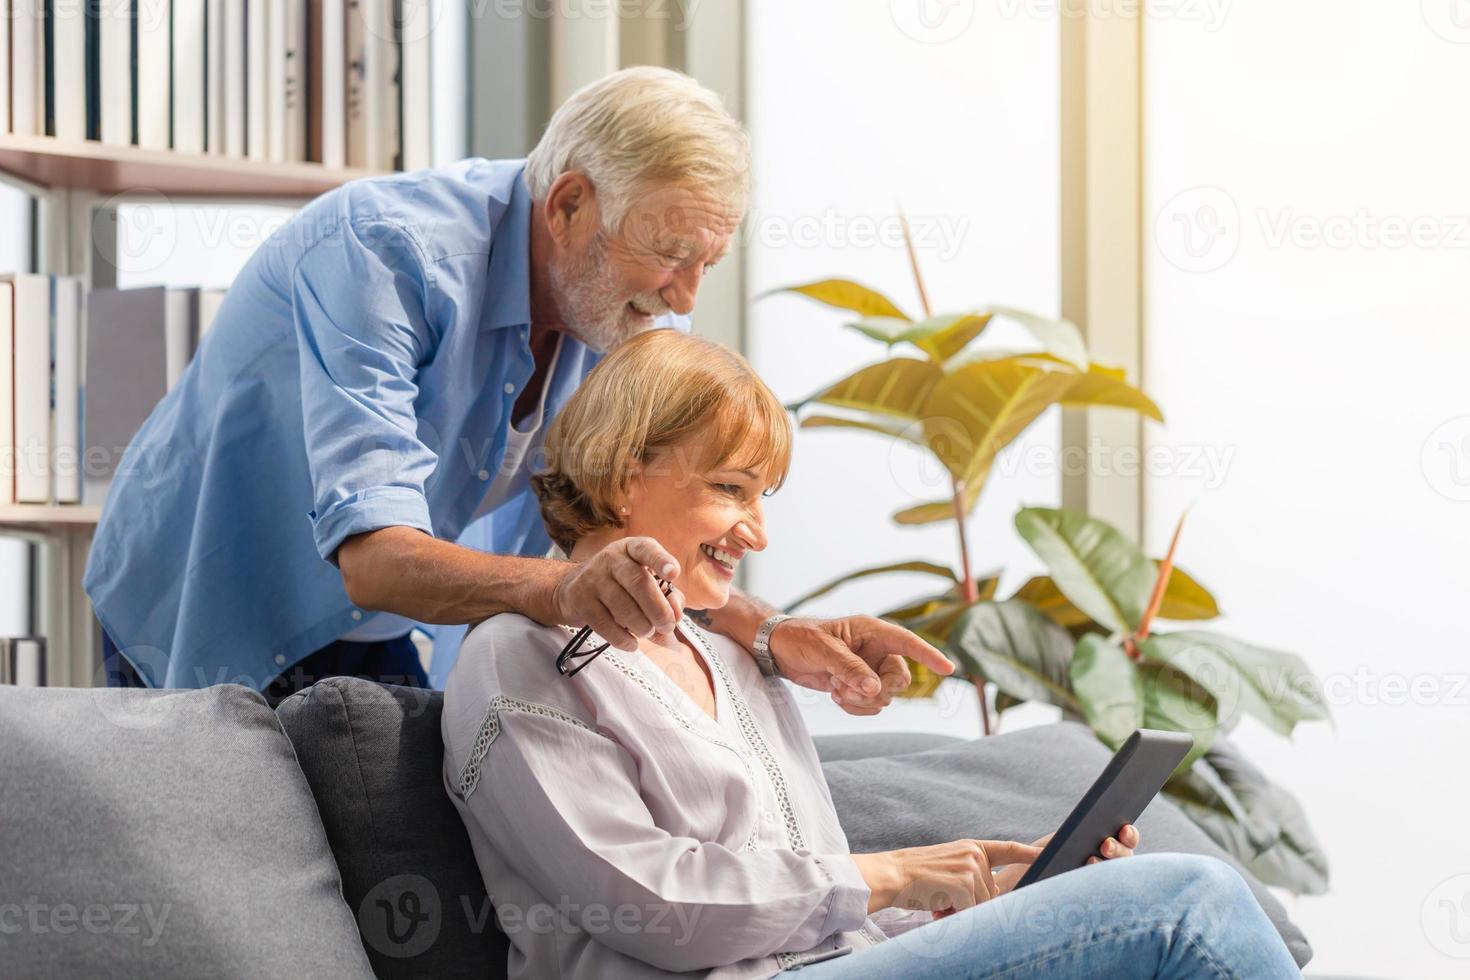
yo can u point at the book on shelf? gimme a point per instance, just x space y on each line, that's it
286 83
66 318
338 82
27 67
151 30
257 71
30 442
210 301
233 62
40 330
115 71
126 372
23 661
187 78
214 77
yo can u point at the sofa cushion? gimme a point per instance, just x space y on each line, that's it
373 756
1013 786
162 834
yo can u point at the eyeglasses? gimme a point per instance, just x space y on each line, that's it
573 658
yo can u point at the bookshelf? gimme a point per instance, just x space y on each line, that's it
45 161
75 182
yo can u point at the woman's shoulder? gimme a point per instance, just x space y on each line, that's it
506 658
511 654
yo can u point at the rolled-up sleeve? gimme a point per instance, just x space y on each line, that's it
560 803
360 301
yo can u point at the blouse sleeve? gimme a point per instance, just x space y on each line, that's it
559 802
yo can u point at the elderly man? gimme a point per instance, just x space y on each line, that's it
376 383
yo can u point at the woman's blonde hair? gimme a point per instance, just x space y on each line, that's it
638 129
662 394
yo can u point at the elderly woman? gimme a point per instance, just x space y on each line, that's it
663 809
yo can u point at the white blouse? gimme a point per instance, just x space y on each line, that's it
622 832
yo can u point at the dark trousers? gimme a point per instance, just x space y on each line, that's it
393 661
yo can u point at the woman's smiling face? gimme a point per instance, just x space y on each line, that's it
706 517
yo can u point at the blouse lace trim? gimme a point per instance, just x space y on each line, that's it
469 775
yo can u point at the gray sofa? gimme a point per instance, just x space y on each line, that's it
198 833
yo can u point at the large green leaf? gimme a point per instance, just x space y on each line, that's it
1275 687
939 510
1058 337
1092 563
884 329
1023 652
1257 822
926 567
898 387
1186 599
1108 688
897 428
1172 701
942 337
846 295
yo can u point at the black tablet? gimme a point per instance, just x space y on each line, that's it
1134 776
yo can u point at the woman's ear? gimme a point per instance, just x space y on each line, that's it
634 487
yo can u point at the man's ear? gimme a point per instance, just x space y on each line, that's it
570 208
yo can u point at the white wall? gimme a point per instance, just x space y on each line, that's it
1332 376
856 109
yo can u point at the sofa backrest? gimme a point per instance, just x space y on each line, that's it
373 756
162 834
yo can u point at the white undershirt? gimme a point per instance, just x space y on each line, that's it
510 479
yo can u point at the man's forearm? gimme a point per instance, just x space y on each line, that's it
738 619
405 571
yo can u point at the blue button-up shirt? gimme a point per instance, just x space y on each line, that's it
359 374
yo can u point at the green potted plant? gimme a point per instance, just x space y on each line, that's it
1080 637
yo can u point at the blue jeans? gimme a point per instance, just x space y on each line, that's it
393 661
1151 915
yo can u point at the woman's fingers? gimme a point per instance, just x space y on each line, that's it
1128 835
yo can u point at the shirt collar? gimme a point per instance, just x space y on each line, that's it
508 279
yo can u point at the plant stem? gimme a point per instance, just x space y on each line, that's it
971 591
908 241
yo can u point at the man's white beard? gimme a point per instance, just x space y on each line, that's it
591 304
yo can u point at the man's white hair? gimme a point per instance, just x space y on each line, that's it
640 128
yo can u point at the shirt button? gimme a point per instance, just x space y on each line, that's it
280 659
509 388
357 614
483 474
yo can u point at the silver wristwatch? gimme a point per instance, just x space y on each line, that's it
762 646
